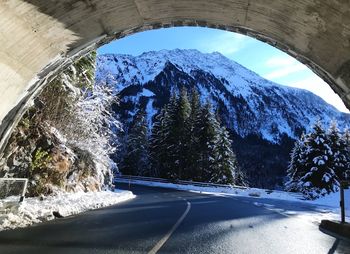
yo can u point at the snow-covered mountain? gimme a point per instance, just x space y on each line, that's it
264 117
248 103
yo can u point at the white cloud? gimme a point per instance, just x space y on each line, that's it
285 71
278 61
226 43
282 66
316 85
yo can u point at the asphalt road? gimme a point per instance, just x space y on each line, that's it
169 221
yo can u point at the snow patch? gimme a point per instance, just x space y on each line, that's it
35 210
236 191
150 111
147 93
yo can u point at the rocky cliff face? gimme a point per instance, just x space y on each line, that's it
37 151
58 145
264 117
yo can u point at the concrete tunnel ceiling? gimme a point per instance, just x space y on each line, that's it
40 37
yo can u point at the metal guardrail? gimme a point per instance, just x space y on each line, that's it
24 188
199 184
182 182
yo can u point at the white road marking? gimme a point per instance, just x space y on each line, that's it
156 248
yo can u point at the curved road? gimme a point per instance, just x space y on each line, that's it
169 221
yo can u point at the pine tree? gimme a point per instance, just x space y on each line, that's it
208 138
346 137
180 133
163 141
169 140
136 160
188 143
320 178
339 152
296 167
240 178
193 127
157 152
346 140
226 160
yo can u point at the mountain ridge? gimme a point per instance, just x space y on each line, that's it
121 71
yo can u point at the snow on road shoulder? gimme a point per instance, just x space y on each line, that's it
34 210
314 211
245 192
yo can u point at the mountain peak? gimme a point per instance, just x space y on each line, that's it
268 108
151 63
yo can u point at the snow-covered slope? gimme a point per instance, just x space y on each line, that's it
248 103
128 70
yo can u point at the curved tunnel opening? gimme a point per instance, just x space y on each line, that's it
239 134
56 66
52 70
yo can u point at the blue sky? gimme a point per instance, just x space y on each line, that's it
260 57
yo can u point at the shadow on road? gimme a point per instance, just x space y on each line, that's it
137 225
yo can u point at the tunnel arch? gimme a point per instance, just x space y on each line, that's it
41 37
